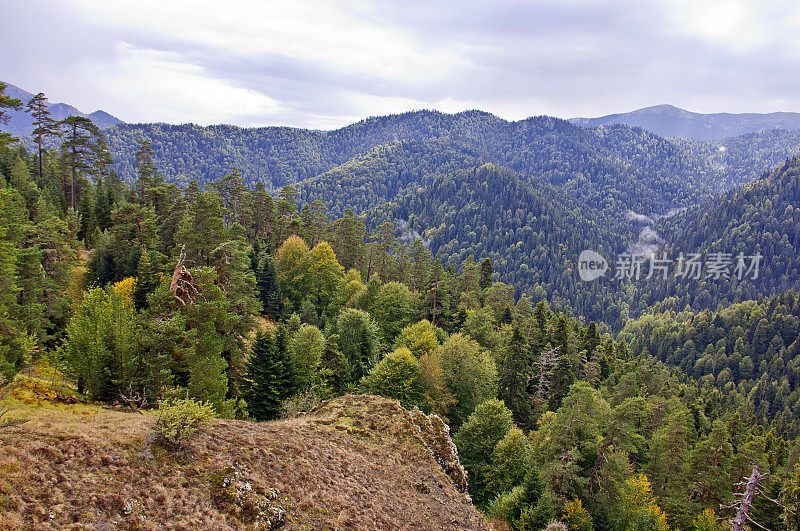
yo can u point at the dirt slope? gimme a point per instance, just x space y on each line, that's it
357 462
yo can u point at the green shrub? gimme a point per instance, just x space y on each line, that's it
178 420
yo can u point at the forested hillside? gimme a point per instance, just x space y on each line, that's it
612 166
759 218
749 350
455 292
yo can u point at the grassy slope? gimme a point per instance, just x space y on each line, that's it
354 463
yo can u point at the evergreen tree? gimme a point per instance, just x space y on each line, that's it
145 170
146 281
348 239
486 274
268 287
43 124
514 376
267 380
7 102
80 136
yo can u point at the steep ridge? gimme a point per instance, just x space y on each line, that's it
355 462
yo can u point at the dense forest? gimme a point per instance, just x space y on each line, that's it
749 350
263 305
615 160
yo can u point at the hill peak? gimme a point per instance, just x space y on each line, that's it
670 121
20 123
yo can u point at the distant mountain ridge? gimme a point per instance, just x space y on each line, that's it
20 123
670 121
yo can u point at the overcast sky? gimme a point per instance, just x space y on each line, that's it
324 64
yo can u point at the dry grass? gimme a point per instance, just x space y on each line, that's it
356 462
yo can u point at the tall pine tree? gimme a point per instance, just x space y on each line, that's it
43 124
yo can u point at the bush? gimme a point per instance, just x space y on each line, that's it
302 402
178 420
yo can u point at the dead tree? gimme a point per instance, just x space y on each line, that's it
744 501
133 400
182 285
547 361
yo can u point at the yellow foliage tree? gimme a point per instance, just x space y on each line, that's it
707 521
123 290
639 504
576 516
289 263
420 338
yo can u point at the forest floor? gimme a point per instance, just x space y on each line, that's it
355 462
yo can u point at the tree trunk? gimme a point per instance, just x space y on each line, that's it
747 501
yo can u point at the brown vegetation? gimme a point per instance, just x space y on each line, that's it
355 462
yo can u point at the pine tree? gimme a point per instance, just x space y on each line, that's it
434 302
231 189
348 239
79 146
43 124
260 216
202 229
268 379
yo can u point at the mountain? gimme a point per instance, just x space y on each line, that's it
20 125
618 167
532 195
606 165
669 121
760 218
362 462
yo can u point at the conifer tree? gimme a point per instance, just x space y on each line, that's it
486 274
434 302
146 281
514 375
268 379
268 288
348 239
43 124
79 146
102 209
145 170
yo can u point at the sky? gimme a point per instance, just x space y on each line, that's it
324 64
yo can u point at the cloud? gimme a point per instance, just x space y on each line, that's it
167 89
326 63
